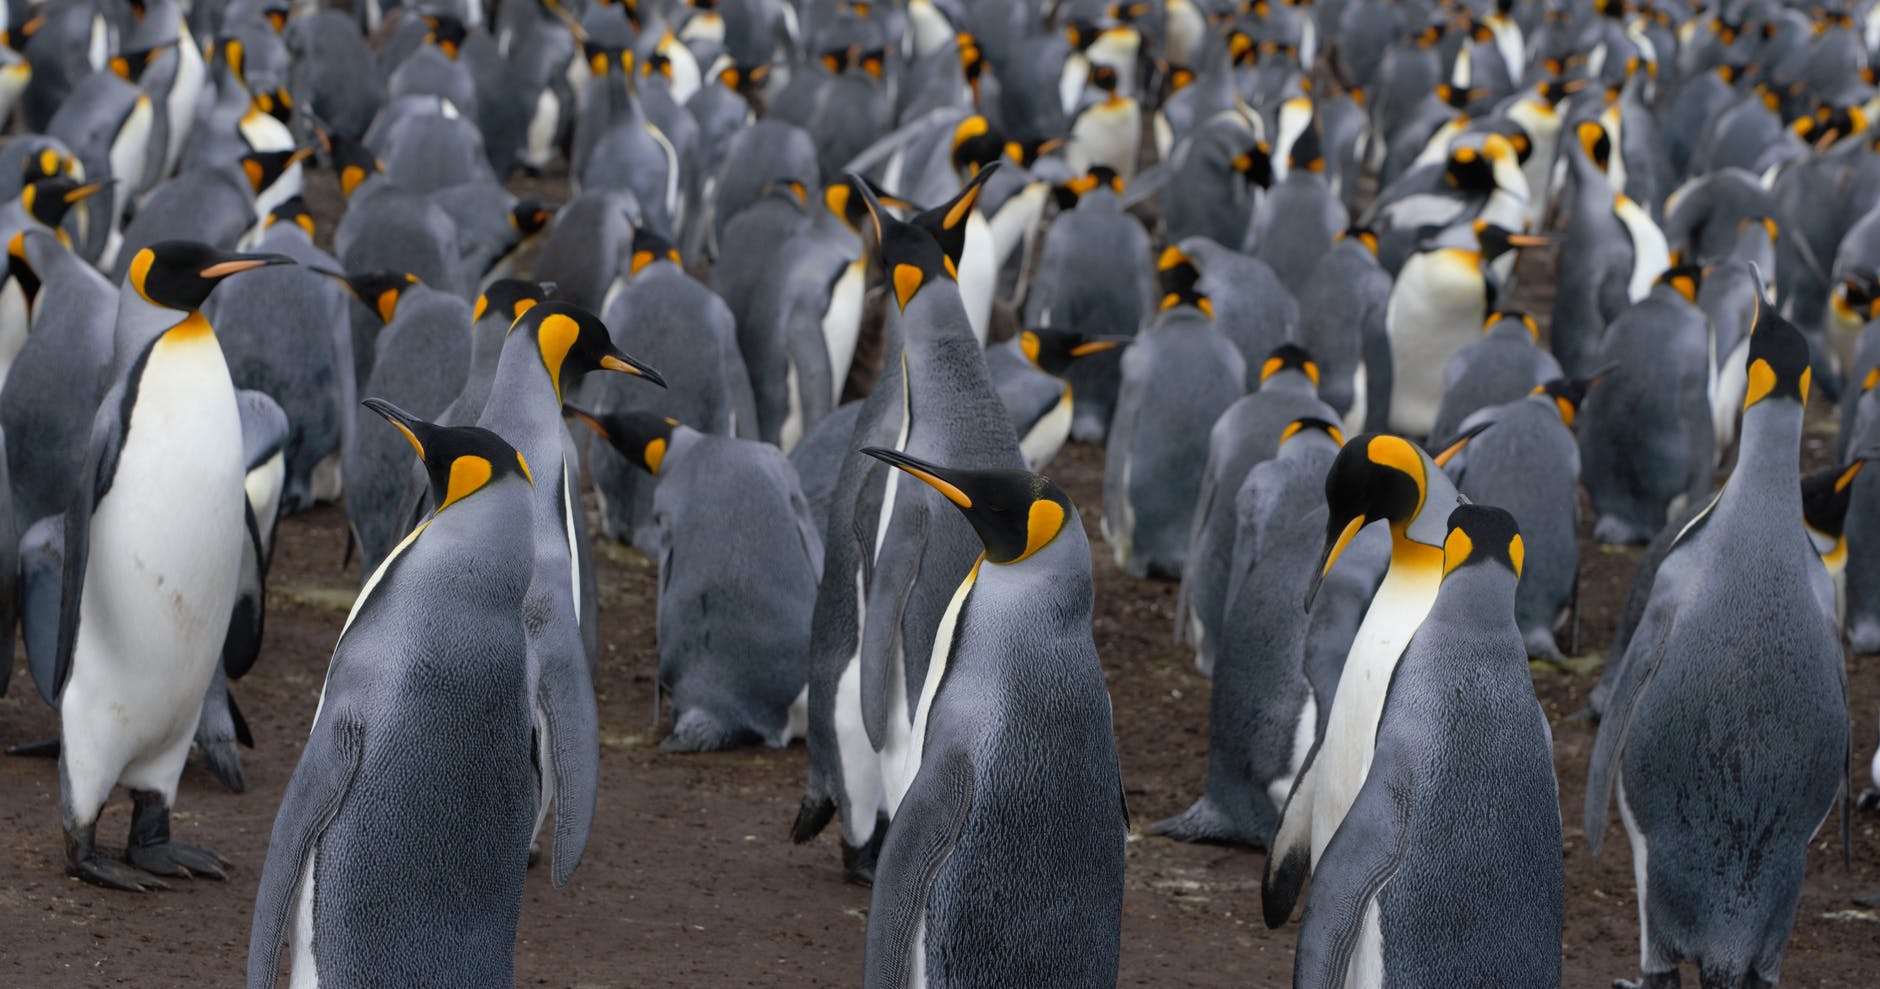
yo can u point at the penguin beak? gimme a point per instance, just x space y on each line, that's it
933 476
235 264
1527 240
569 411
1455 446
614 360
83 192
1098 346
1334 548
407 423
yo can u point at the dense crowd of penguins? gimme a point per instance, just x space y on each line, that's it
1256 249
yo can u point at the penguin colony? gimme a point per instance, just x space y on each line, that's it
1259 252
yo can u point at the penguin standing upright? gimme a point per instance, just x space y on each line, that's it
1342 316
144 608
1738 632
1375 478
1506 364
1178 378
1262 712
1441 297
1456 827
1017 801
548 350
1041 401
422 731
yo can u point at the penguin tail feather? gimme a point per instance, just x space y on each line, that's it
697 731
225 764
812 816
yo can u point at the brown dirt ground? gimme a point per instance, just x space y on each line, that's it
690 879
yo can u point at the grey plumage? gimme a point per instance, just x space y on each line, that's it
1341 321
1505 365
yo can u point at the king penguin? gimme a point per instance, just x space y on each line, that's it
1456 827
1262 712
422 732
1006 858
143 609
1738 631
1375 478
739 557
1042 412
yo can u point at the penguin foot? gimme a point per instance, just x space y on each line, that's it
1203 823
82 861
173 858
858 861
45 748
1657 980
697 731
152 850
1868 800
1869 899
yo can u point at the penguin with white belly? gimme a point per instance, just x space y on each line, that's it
1005 861
1376 478
1456 828
144 608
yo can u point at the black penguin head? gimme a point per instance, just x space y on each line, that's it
509 298
1495 319
909 253
180 274
1567 394
48 200
447 33
1482 535
45 164
1028 151
1290 357
529 216
1068 194
459 461
352 160
1377 477
787 187
1015 512
641 437
130 66
1857 296
378 291
976 144
745 80
227 53
1363 235
573 342
1778 361
264 168
1827 493
1256 164
603 58
1455 98
946 223
1305 154
1498 240
1053 351
1105 79
1595 142
1180 282
1469 171
650 245
292 211
276 16
278 104
1685 279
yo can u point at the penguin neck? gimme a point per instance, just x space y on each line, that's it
1413 563
1762 488
528 412
139 323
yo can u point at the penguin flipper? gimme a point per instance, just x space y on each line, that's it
42 554
243 641
108 427
925 830
1642 656
1359 860
1203 823
893 584
1289 859
566 707
9 571
314 795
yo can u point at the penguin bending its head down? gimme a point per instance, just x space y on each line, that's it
1375 478
1016 798
422 731
144 608
1456 827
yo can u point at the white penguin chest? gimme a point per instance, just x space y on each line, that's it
1344 757
1435 310
842 323
166 539
1046 436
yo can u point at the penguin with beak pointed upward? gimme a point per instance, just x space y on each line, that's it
144 608
1739 632
1006 857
